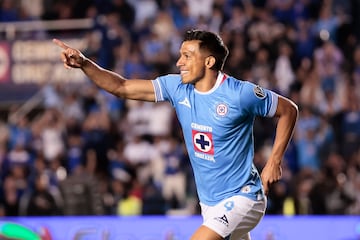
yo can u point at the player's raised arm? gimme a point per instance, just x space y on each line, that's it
110 81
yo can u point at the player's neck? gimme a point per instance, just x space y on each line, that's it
207 82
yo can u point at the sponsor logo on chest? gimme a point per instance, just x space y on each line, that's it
203 143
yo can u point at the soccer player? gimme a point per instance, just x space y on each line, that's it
216 113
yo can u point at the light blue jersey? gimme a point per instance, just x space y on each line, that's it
218 131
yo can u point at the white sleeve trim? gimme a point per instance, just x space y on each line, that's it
157 90
274 104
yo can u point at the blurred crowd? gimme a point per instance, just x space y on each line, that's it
89 153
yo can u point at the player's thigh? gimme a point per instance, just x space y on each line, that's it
238 236
205 233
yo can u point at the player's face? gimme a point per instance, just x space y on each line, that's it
191 62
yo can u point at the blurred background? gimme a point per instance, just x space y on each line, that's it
68 148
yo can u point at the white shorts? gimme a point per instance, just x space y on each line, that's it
236 215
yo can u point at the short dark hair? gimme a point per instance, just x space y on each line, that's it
211 42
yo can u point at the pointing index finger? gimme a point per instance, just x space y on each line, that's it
60 44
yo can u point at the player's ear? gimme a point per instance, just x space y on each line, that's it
210 61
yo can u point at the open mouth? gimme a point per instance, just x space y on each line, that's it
182 73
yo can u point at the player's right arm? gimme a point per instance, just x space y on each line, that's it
137 89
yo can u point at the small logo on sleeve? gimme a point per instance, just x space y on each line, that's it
259 92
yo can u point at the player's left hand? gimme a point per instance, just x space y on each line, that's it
270 174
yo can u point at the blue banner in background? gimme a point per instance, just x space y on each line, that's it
36 62
26 65
173 228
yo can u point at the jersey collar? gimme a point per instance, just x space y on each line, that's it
219 80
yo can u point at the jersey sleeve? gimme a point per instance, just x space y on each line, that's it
258 101
165 87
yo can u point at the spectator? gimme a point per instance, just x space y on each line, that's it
304 43
283 71
81 194
9 12
174 181
350 123
327 24
126 11
180 13
328 60
43 200
200 8
52 133
19 131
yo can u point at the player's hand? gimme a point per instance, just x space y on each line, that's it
270 174
72 58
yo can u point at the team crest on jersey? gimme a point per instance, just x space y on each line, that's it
259 92
222 109
203 142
